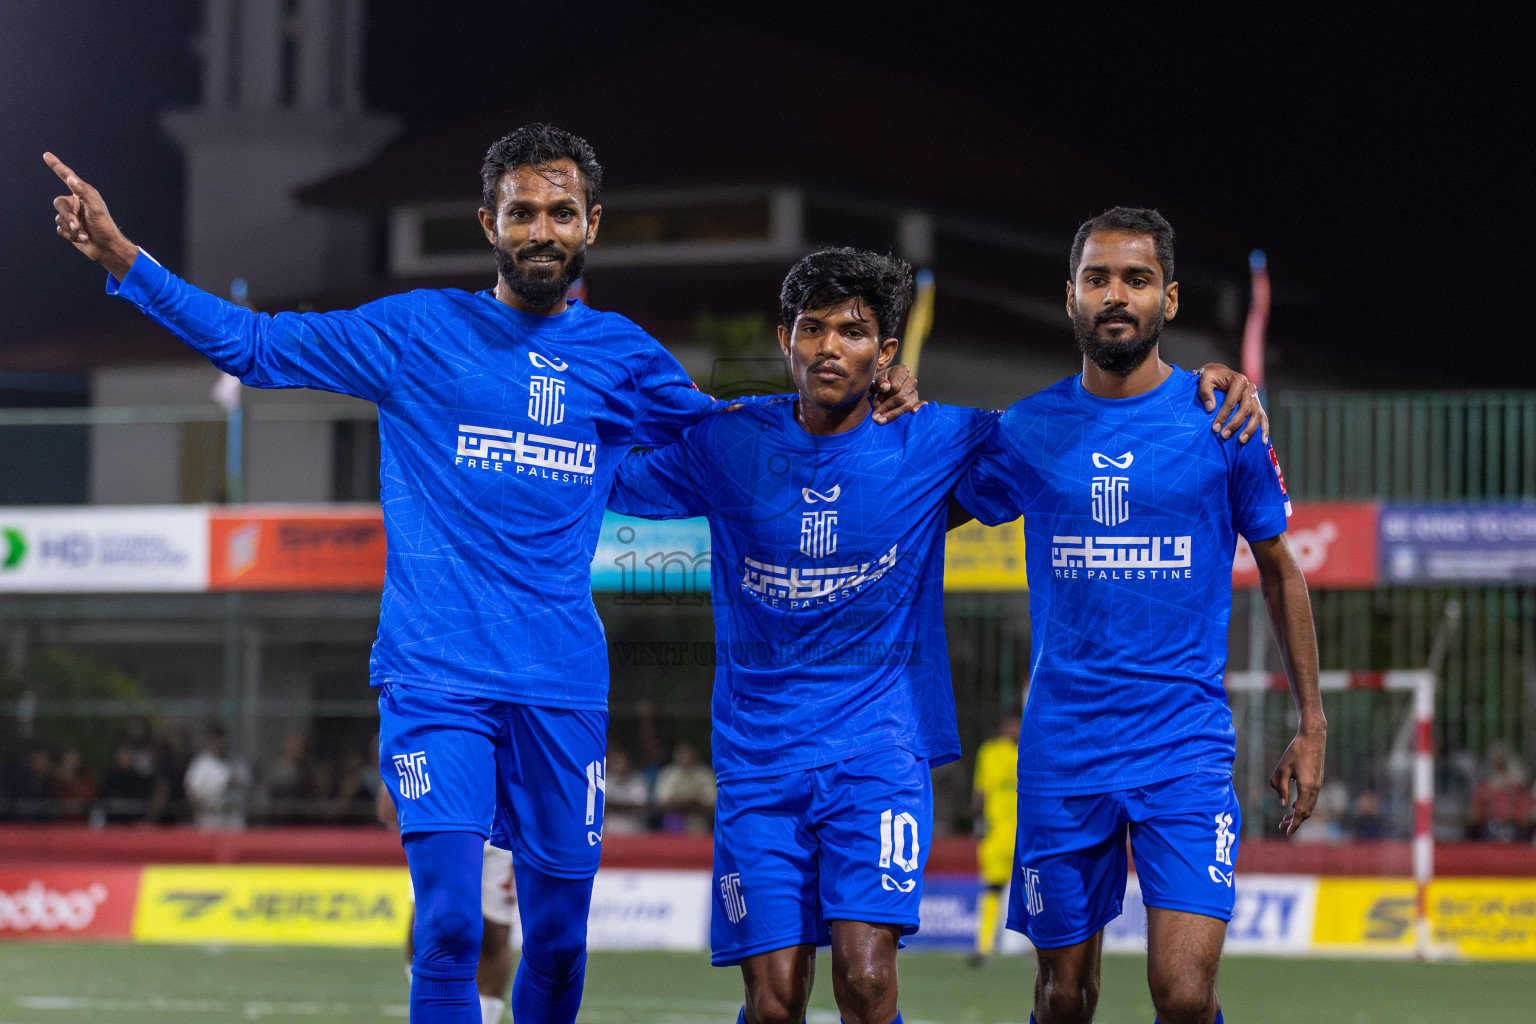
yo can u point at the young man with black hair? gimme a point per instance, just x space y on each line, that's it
503 415
832 695
1131 510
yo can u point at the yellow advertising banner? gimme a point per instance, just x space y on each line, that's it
978 557
1483 918
261 905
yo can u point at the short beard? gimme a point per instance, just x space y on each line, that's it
1117 357
539 290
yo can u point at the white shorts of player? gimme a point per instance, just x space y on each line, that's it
498 896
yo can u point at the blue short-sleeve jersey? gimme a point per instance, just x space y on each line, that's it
499 432
1131 513
827 578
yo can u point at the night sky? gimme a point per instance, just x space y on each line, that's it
1382 163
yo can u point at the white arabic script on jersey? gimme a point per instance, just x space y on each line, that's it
1120 552
805 583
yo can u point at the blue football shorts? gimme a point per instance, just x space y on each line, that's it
843 842
528 778
1069 872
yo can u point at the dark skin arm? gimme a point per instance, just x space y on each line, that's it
894 393
1290 615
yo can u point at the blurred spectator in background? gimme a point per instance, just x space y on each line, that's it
125 791
28 784
213 785
73 786
1327 823
286 782
1367 817
1502 805
685 792
626 796
352 797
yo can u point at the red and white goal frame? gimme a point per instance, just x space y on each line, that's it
1421 683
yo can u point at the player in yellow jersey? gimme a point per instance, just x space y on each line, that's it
997 800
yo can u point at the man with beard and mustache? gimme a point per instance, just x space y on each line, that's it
503 415
1132 507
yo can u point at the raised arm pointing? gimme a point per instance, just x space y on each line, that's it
82 220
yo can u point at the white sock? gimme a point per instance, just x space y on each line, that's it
491 1009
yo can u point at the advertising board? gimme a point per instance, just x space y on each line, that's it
1334 543
1474 543
263 906
92 550
303 549
67 903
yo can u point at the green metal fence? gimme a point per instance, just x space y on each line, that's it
1426 446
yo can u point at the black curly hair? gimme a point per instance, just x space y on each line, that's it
883 284
1136 221
539 145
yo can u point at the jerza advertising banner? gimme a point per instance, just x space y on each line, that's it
1436 545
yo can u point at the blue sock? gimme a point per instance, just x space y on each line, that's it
553 968
445 871
894 1020
741 1016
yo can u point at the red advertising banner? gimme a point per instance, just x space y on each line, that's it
67 903
300 549
1334 542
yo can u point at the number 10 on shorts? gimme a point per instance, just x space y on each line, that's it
894 846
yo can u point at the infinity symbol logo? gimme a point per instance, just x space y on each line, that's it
553 364
1105 461
814 496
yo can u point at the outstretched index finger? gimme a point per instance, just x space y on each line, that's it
67 176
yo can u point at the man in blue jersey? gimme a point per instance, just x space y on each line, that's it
1132 509
503 415
832 697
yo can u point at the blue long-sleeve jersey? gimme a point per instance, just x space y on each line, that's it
499 433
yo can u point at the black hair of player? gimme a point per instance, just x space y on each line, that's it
539 145
1132 220
882 284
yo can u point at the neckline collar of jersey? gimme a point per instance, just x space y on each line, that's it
810 440
528 319
1163 390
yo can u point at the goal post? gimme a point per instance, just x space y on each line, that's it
1419 684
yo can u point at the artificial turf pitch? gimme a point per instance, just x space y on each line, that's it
68 982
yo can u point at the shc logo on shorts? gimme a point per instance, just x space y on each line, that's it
597 786
413 774
1225 837
1032 898
731 899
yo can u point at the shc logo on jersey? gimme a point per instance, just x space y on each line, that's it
731 898
1032 891
413 774
1110 504
544 362
546 400
893 840
818 528
1110 493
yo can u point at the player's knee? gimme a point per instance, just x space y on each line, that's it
448 932
555 944
864 986
1068 996
1183 1000
771 1004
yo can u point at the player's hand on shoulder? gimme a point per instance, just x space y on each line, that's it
895 393
81 218
1240 412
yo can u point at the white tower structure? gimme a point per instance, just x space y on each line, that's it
282 107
